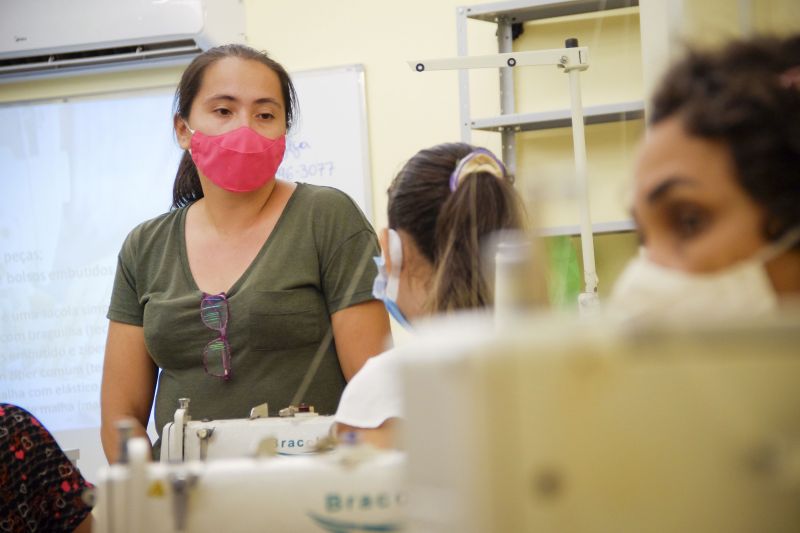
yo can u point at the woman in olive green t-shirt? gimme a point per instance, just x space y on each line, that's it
232 292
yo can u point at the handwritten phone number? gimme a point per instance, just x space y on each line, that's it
305 171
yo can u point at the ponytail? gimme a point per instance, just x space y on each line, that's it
187 187
449 198
482 204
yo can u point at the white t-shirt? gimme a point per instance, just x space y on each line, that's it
374 394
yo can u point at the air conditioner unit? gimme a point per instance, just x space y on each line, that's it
53 37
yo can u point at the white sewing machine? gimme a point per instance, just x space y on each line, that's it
298 430
532 424
576 426
351 489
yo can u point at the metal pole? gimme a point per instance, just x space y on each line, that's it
463 77
746 17
507 104
589 296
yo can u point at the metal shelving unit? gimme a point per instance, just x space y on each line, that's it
523 11
571 60
561 118
509 122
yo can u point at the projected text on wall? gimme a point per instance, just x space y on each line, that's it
78 175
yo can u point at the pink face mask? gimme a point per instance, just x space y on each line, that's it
238 161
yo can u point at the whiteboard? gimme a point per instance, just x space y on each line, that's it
329 145
79 174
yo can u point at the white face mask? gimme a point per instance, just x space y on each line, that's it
648 291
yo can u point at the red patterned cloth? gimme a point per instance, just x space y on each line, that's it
40 489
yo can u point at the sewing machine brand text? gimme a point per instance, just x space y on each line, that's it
337 501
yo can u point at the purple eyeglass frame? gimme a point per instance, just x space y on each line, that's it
207 301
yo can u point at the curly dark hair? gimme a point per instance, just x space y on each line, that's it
746 95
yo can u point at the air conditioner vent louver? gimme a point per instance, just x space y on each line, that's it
52 38
187 48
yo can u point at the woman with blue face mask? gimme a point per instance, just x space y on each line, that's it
717 188
443 204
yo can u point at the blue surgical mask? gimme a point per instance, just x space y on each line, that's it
387 285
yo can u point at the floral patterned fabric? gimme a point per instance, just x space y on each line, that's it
40 489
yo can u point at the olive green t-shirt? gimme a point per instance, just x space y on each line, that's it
318 260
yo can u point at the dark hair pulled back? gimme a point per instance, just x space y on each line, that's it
187 187
741 95
448 226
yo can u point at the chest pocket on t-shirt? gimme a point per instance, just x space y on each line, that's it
282 320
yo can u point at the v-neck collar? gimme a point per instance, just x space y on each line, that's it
184 253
